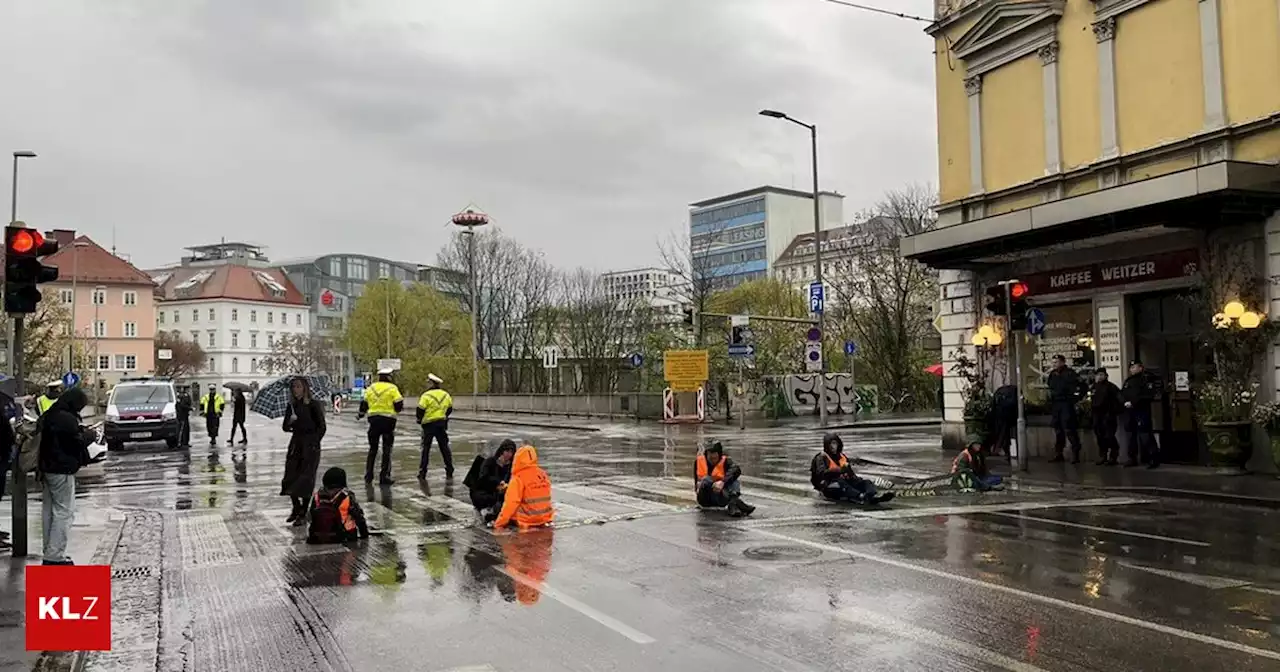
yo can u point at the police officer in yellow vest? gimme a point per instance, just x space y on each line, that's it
382 401
211 406
51 392
434 408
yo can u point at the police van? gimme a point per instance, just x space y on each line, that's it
141 409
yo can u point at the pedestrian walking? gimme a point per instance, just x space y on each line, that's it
238 408
182 409
211 406
382 402
64 448
1104 407
434 408
1138 393
1064 391
304 419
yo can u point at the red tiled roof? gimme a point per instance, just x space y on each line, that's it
89 262
228 281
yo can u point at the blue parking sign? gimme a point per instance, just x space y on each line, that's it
816 297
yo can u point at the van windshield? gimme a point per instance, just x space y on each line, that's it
127 395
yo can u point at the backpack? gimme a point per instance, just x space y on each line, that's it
326 522
29 437
473 474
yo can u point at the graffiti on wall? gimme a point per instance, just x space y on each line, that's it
839 392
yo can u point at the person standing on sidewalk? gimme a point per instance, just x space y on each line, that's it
1064 390
183 411
64 448
1138 393
211 406
382 402
238 407
434 408
304 419
1104 407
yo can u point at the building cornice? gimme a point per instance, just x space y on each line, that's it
1008 31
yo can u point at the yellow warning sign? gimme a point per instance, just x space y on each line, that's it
685 370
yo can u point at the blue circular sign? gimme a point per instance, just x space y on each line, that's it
814 355
70 379
850 347
814 334
637 359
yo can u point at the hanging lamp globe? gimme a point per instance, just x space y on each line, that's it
470 218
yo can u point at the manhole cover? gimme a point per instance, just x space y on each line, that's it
781 553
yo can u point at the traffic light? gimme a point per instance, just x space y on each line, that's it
1018 294
995 300
737 336
23 271
688 315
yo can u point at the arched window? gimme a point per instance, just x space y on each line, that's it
235 365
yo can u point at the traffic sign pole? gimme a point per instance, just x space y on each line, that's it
1017 369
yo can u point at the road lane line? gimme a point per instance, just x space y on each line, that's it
898 629
1107 530
1027 595
588 611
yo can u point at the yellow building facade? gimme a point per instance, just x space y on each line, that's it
1091 147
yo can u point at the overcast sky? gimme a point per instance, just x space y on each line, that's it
584 127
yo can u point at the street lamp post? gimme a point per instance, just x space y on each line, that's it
469 219
817 257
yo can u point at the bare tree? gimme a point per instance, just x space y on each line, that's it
185 357
497 260
299 353
532 322
693 259
884 301
599 330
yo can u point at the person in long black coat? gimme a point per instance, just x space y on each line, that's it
238 407
1105 407
304 418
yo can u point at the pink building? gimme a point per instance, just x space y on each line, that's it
113 304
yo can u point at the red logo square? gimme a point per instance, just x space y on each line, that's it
69 608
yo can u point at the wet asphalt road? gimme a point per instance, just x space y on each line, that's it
209 577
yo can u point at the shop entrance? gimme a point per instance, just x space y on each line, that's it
1164 330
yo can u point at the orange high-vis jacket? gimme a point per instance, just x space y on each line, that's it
528 496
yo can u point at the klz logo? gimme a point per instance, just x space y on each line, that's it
69 608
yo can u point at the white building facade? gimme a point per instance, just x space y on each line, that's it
661 290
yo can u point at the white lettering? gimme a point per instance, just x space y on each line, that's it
46 608
1072 279
67 614
93 602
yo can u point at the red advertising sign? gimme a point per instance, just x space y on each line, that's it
1180 264
68 608
326 298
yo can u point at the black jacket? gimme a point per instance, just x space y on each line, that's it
731 470
1064 385
1139 390
1105 400
305 419
820 472
491 475
64 444
237 408
7 441
183 407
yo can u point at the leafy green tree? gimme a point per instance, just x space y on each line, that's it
429 333
779 345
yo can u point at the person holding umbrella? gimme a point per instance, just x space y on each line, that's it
304 419
211 406
238 405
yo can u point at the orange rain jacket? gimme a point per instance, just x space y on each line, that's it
528 498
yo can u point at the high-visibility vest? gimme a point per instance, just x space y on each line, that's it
956 467
218 403
43 403
832 464
435 405
717 474
382 397
535 499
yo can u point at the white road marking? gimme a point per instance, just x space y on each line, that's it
588 611
1106 530
781 485
1027 595
756 493
923 511
901 629
625 501
472 668
1202 580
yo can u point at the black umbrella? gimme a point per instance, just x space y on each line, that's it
234 387
272 399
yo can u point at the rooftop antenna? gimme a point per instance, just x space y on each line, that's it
113 240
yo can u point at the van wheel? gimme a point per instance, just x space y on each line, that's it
171 442
115 446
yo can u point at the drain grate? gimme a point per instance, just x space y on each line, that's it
132 573
781 553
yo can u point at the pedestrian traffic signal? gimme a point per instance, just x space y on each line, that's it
995 302
688 315
737 336
23 270
1018 307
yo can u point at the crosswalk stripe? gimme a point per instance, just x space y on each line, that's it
899 629
602 495
924 511
755 493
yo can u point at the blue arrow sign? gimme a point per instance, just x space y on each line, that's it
742 351
70 379
1035 321
637 360
816 297
850 347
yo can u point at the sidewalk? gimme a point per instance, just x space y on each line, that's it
846 422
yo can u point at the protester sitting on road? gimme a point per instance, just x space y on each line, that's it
527 500
336 516
64 449
488 479
715 481
970 472
833 476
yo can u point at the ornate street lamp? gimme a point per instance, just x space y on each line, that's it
1236 312
987 337
469 219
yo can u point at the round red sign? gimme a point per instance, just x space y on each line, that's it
327 298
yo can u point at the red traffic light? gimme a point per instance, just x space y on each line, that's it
25 241
1018 291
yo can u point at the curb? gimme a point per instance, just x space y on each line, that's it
521 423
880 424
